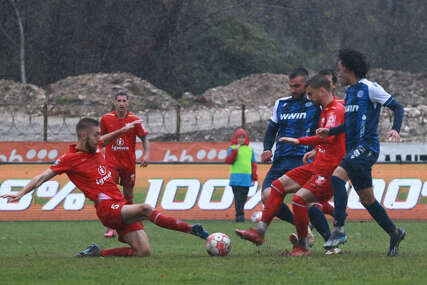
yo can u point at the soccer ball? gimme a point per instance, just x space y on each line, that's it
256 216
218 244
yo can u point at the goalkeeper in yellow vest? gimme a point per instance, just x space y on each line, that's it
242 170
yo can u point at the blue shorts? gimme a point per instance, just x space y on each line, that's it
280 167
358 164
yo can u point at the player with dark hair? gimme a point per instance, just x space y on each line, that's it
120 155
86 167
310 182
332 76
363 102
293 116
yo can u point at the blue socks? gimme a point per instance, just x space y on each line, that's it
340 201
285 214
380 215
318 220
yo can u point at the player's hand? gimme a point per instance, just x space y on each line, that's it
393 136
266 156
289 140
309 156
13 197
322 132
144 161
130 126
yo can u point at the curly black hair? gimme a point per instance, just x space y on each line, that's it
354 61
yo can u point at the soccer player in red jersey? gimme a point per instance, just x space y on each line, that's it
310 182
332 76
120 154
87 168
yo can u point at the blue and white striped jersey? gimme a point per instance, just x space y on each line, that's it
363 102
294 118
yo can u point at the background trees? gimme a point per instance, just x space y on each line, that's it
184 45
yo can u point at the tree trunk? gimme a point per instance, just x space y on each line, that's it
21 43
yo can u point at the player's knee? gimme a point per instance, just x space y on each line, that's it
142 252
367 199
264 195
146 210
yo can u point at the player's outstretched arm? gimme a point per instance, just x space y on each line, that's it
110 137
322 132
146 157
35 182
269 138
325 132
289 140
393 134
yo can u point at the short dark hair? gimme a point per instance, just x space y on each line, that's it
122 92
84 124
299 71
331 73
354 61
318 81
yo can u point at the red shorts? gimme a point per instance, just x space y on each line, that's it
109 213
124 177
314 179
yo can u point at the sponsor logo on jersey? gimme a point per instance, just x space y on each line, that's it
351 108
104 178
293 116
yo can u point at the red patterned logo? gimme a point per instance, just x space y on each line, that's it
102 170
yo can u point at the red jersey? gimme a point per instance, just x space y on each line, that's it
89 172
121 153
339 100
331 150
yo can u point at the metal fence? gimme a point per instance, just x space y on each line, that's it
49 124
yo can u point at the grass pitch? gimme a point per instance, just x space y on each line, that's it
41 253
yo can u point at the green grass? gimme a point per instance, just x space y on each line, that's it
41 253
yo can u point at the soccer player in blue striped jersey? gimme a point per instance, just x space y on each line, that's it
294 116
363 101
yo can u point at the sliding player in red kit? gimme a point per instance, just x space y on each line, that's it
120 154
310 182
86 167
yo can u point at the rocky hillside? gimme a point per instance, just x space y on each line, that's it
91 94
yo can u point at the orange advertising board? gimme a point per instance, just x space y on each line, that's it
199 191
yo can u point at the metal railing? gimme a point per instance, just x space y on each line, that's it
49 123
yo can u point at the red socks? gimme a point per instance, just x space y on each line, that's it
300 216
121 251
169 222
327 208
274 202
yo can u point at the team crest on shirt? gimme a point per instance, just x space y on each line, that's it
120 141
320 180
308 104
331 120
102 170
57 162
360 94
